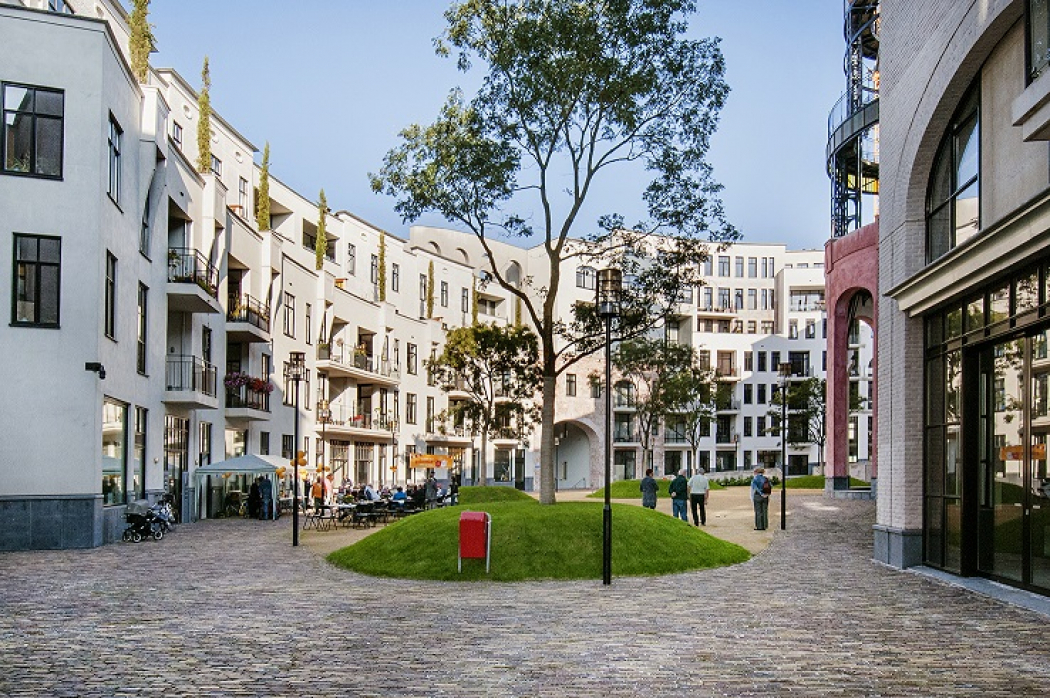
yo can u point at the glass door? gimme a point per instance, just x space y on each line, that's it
1037 488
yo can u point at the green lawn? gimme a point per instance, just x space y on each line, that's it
532 541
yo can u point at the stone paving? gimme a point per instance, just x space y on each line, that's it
229 608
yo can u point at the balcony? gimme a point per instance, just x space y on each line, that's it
625 436
247 320
507 436
447 432
727 439
716 311
248 402
193 282
807 307
340 362
727 373
728 406
346 420
190 381
800 372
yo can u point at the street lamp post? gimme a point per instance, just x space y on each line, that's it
608 305
324 415
295 371
785 372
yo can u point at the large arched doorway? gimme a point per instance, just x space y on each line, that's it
576 445
851 280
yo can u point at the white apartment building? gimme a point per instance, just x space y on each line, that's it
151 319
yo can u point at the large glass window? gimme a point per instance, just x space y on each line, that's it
142 326
32 142
111 296
1038 37
115 134
114 451
37 272
953 194
586 277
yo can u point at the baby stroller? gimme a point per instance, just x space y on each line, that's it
142 523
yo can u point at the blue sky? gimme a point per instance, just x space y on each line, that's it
330 83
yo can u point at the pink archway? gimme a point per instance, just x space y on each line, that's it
851 267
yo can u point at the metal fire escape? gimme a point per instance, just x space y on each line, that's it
852 151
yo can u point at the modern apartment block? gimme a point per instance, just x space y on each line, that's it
152 319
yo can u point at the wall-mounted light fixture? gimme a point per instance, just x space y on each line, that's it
97 368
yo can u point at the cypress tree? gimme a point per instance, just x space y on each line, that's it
321 244
430 290
142 42
381 278
262 201
204 121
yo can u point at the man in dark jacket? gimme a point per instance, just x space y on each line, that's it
679 495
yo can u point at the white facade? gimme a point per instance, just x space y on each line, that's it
151 319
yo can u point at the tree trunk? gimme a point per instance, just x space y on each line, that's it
547 471
483 471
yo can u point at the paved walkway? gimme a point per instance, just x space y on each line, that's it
229 608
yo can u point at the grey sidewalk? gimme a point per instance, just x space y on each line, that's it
229 608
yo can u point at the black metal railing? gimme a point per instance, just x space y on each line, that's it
245 396
251 310
187 265
183 372
354 358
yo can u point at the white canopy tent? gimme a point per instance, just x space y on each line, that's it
249 464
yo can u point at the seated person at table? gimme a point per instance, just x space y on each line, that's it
370 494
399 497
419 498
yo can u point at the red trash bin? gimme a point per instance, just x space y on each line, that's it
474 536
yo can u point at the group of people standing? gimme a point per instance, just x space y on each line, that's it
696 490
260 499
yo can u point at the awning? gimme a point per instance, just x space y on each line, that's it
251 463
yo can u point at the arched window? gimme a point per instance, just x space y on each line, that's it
586 277
953 210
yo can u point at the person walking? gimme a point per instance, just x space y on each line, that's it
430 492
699 491
649 488
679 490
760 489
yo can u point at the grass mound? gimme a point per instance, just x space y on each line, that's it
531 541
472 496
628 489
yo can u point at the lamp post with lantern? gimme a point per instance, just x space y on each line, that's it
608 290
785 373
295 371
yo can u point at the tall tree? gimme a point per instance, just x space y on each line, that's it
430 290
573 93
807 410
262 203
651 366
691 400
204 121
321 244
381 273
497 367
141 43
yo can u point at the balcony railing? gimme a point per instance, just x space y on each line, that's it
349 416
730 437
250 310
353 358
806 307
187 265
624 436
728 406
190 373
246 397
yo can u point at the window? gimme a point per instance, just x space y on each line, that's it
953 212
723 299
747 427
760 425
792 329
464 300
206 344
708 298
596 389
205 430
761 395
114 451
413 358
351 259
774 361
216 166
752 267
242 195
110 315
752 299
309 324
176 134
36 277
738 299
811 329
137 471
767 327
444 294
752 327
373 273
723 266
749 361
32 141
570 384
289 315
672 331
586 277
287 446
707 266
765 267
748 394
60 6
1038 37
411 408
264 443
761 361
142 326
395 277
115 133
739 263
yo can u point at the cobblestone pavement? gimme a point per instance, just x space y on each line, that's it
229 608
